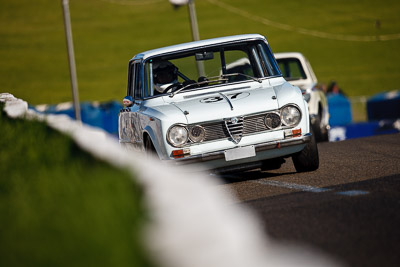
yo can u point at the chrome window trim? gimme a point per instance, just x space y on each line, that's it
258 62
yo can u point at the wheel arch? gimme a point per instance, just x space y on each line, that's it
149 135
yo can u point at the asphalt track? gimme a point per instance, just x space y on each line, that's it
349 208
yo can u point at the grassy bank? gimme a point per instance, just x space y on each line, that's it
60 206
107 33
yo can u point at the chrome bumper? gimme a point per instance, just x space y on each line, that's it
258 147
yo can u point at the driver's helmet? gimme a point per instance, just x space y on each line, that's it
164 74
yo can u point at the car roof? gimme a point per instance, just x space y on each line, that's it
198 44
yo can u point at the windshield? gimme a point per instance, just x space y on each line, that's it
201 68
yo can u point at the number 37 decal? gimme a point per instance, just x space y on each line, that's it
232 96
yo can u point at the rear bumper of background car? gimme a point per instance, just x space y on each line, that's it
259 148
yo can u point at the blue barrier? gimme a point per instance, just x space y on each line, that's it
102 115
384 106
363 129
339 110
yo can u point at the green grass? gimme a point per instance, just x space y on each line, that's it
107 34
60 206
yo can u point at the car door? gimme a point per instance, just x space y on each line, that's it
130 128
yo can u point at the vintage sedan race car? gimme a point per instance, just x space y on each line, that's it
188 104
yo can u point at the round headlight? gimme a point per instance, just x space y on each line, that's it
290 115
177 135
272 120
197 134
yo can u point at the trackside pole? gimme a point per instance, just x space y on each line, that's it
71 59
193 26
195 33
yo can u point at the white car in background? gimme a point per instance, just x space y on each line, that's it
189 104
297 70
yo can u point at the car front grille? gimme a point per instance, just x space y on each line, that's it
226 129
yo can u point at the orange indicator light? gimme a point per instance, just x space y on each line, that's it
296 132
177 153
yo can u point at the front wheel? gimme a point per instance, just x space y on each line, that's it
149 147
307 159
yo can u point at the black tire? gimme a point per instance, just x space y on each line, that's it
321 134
316 126
307 160
149 147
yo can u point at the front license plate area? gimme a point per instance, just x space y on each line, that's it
240 153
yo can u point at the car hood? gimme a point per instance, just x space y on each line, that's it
226 104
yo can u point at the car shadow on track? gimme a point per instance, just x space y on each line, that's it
230 178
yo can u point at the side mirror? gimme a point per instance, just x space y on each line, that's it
127 101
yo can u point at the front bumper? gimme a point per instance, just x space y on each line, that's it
217 155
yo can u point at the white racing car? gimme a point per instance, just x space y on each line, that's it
189 105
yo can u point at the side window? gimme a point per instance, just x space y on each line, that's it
135 81
131 78
138 82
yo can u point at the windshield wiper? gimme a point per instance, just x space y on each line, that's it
222 78
212 80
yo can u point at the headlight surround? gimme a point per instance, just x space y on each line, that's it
177 135
290 115
197 134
